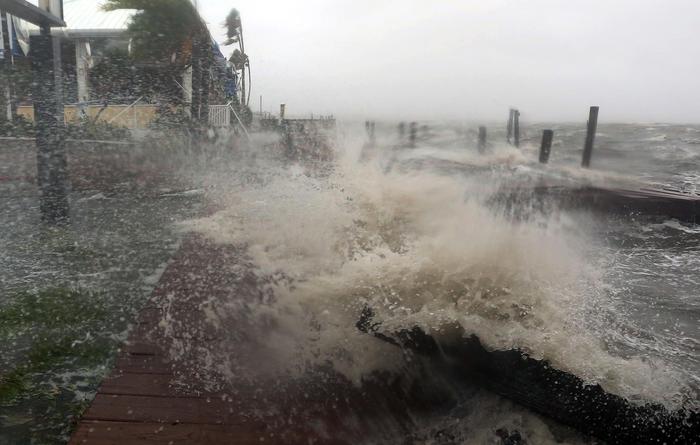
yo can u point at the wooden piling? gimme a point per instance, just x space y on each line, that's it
590 137
546 147
516 128
509 126
369 129
282 109
482 139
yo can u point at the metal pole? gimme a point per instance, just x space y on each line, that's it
239 121
52 164
7 62
243 103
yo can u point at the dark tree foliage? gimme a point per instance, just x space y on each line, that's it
166 37
117 78
113 76
233 27
163 30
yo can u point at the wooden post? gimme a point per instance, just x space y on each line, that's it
196 91
546 147
201 56
412 134
206 80
52 164
516 128
482 139
282 109
590 137
82 76
509 127
187 88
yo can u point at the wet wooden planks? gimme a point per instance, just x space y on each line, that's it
118 433
155 397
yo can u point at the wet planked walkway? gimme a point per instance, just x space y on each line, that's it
161 393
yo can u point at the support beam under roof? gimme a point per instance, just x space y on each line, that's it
30 13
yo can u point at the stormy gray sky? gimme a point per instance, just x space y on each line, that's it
472 59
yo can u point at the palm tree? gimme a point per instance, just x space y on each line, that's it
162 29
169 35
239 59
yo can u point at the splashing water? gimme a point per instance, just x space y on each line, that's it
424 248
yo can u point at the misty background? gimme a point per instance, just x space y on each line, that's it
472 59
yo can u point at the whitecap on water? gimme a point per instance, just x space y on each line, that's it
414 248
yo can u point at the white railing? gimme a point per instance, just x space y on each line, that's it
219 116
131 107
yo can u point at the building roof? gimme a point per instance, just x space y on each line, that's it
86 18
88 15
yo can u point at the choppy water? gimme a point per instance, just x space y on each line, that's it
417 234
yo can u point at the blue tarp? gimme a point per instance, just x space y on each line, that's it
224 70
16 49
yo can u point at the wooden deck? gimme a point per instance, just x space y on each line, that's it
153 398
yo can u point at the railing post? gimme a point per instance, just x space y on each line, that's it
590 137
546 147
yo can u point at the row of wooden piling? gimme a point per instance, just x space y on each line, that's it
512 135
591 128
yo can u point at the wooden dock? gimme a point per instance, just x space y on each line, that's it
153 398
